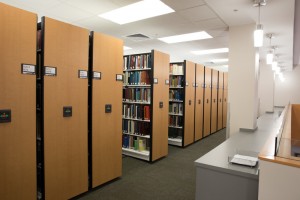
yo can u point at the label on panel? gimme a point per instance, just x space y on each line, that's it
82 74
96 75
5 116
28 69
119 77
50 71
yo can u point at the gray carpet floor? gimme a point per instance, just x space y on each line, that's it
173 177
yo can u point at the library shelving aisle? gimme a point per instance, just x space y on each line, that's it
63 102
214 101
220 101
225 94
105 114
207 102
181 103
199 91
17 104
145 110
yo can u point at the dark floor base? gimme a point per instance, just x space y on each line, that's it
170 178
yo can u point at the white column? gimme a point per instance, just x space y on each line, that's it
266 89
243 79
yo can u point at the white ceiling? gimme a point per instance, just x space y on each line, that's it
212 16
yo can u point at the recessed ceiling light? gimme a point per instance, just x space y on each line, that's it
137 11
126 48
220 60
186 37
210 51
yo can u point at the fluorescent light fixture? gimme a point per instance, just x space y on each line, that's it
274 65
258 36
186 37
277 70
220 60
270 57
137 11
126 48
210 51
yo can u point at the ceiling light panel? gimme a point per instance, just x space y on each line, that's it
137 11
210 51
186 37
219 60
126 48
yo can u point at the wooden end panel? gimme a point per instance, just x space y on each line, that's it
160 115
220 101
189 103
65 138
214 101
107 127
207 102
18 94
199 102
295 119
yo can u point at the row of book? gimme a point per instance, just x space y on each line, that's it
176 95
137 61
176 69
136 143
136 127
176 81
141 112
137 95
175 133
176 108
137 78
176 121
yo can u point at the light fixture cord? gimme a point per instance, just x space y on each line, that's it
259 13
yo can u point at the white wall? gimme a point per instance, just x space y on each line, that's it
289 90
242 78
266 89
278 182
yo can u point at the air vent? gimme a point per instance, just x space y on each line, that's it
138 37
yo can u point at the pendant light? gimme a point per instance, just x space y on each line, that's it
259 32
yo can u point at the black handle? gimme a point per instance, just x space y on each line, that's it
207 100
199 101
214 100
190 102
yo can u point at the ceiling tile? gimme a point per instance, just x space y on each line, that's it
183 4
69 13
210 24
198 13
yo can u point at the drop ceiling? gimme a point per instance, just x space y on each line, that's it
213 16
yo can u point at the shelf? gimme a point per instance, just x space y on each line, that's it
144 155
142 136
133 119
133 86
175 114
177 87
132 102
133 70
175 141
177 101
179 127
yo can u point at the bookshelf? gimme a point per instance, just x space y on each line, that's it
214 100
199 91
220 101
17 104
207 101
105 140
63 100
144 111
181 103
